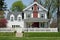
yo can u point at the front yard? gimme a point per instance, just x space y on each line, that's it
31 36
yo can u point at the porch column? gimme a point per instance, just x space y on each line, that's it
45 24
24 24
48 25
39 24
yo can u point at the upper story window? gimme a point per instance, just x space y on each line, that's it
12 17
42 15
28 15
19 17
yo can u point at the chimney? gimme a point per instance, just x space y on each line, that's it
35 0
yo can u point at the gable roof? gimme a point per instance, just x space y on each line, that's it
33 4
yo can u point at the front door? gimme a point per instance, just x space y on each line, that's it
35 24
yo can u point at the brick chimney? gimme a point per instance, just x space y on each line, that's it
35 0
35 12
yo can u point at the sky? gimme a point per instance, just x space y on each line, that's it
10 2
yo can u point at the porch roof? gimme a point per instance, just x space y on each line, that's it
36 20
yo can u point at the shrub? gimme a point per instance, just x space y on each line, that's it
3 23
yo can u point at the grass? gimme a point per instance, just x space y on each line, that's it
42 34
31 36
7 34
28 38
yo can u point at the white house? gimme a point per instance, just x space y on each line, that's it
33 16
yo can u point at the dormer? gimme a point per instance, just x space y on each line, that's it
12 17
19 17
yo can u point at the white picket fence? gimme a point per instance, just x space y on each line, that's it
6 30
41 29
29 29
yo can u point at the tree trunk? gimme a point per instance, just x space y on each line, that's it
58 16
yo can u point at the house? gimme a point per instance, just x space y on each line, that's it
33 16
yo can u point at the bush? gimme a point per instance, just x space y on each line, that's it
3 23
15 31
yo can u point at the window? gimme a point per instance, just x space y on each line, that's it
32 8
15 26
11 18
19 18
28 15
42 15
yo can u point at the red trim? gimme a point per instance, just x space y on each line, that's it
35 14
35 0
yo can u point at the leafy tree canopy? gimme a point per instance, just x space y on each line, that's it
17 6
2 5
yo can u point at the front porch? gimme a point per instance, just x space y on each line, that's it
36 23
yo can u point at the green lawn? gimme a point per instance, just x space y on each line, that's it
7 34
31 36
42 34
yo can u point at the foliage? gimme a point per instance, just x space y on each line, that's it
2 8
1 13
51 5
3 23
17 6
2 5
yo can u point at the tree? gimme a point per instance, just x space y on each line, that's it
54 6
50 5
3 23
2 5
2 8
58 15
17 6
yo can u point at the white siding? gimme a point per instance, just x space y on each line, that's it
31 15
38 15
45 16
9 24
